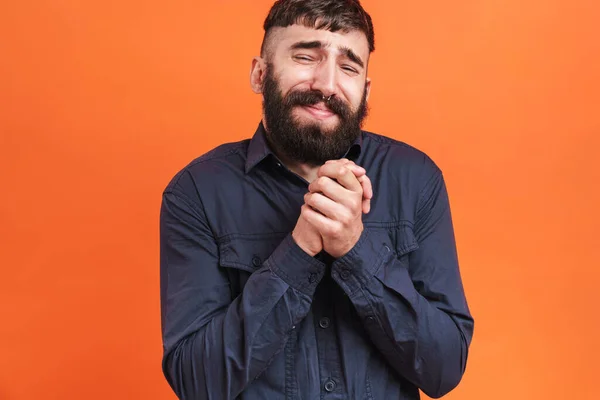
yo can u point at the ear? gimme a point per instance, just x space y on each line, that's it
257 74
368 87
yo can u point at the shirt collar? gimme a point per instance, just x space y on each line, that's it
258 149
355 149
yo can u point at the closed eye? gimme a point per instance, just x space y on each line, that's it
303 58
349 69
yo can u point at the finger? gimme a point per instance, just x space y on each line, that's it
366 206
367 193
357 169
360 173
367 187
327 207
320 222
342 174
333 190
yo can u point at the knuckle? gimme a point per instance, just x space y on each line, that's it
345 219
304 210
338 216
351 217
327 230
337 232
313 201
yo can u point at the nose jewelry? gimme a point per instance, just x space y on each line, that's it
329 98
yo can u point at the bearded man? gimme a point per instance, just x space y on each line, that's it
315 260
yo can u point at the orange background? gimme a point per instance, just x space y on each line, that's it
101 102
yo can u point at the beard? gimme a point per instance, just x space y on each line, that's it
307 142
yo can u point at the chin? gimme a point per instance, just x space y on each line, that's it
325 126
328 128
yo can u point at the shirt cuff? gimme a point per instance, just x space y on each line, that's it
295 267
359 265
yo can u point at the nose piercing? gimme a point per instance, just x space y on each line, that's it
329 98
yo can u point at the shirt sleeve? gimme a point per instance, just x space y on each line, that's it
214 344
413 305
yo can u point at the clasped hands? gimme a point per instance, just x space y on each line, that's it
331 216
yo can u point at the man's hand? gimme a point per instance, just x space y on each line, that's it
361 175
335 204
306 236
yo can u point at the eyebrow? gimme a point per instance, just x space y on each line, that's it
352 56
317 44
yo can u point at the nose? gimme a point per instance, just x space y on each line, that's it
325 79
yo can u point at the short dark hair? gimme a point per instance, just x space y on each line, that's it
332 15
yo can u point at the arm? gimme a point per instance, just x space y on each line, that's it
413 306
215 346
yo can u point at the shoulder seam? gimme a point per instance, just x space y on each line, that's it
388 140
208 157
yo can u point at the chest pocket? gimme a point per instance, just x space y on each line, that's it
242 254
399 236
404 240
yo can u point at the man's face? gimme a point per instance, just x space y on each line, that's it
306 65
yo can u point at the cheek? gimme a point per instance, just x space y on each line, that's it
295 79
354 95
353 90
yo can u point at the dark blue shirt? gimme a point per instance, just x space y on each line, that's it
246 314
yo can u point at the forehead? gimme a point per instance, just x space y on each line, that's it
285 38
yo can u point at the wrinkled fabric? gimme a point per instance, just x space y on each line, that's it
246 314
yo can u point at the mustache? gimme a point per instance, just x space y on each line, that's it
312 97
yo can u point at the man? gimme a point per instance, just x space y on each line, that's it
315 260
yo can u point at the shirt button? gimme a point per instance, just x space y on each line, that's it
312 278
345 274
324 322
330 385
256 261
